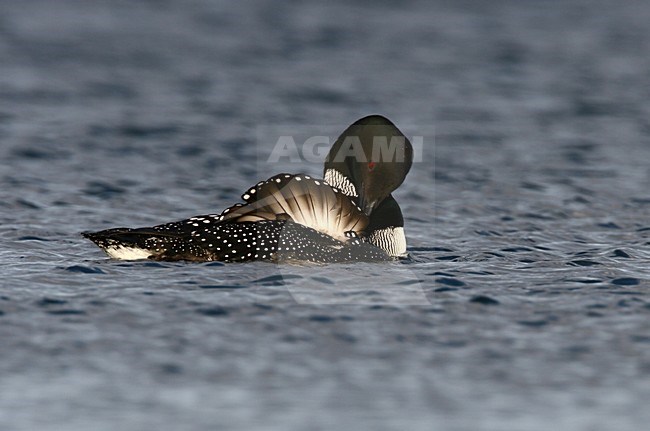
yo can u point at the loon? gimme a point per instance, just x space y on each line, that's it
350 215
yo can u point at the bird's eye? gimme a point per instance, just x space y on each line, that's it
371 166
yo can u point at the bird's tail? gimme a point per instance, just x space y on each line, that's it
142 243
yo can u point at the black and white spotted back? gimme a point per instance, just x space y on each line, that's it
286 218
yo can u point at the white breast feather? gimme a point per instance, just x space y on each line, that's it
127 253
391 239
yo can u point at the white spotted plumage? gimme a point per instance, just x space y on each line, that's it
322 225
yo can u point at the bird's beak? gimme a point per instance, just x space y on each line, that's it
367 206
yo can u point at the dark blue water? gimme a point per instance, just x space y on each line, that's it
524 306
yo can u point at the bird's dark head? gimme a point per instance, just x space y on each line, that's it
374 156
